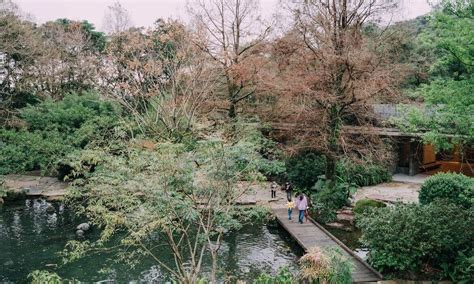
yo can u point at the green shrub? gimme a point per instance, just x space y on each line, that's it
364 205
455 188
25 151
410 240
365 174
326 201
54 130
253 151
303 169
463 270
69 114
284 276
42 276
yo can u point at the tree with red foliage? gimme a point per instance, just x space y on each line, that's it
328 70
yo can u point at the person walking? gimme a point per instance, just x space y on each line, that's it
302 205
290 204
273 188
289 190
306 212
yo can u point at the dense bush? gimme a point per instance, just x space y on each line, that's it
326 201
364 205
55 129
284 276
25 151
253 151
303 171
413 240
364 174
456 188
43 276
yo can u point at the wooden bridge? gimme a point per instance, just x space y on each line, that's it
312 234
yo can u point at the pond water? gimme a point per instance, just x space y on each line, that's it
351 238
31 238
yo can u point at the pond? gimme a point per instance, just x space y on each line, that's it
351 238
31 236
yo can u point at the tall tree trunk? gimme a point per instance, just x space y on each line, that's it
214 267
232 114
231 96
333 145
331 170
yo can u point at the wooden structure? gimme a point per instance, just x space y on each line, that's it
412 154
311 234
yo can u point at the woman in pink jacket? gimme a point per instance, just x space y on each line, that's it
302 205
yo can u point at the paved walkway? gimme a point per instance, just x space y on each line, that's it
403 188
389 192
311 234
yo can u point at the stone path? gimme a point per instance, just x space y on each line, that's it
390 192
36 186
259 193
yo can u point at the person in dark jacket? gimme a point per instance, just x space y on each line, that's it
289 190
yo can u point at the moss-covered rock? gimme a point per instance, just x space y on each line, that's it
362 205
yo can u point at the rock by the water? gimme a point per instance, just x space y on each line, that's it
50 209
335 225
345 217
80 233
83 227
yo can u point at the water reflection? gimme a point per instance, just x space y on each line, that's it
31 236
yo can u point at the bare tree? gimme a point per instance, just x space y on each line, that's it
8 7
116 19
160 77
230 32
328 72
69 60
19 49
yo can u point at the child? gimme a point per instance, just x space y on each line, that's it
290 204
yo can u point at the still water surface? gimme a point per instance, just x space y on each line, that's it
31 238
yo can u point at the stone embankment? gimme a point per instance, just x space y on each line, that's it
24 186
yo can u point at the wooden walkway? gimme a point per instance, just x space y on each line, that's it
311 234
